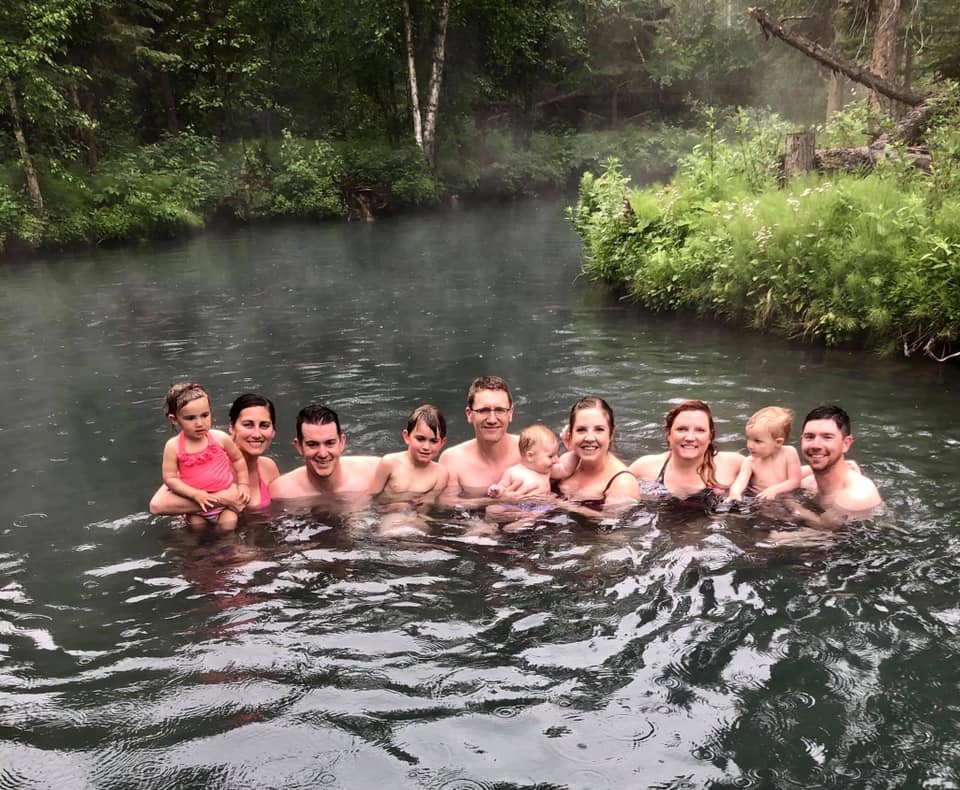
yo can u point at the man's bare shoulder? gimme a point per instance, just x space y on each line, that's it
458 452
291 485
860 494
358 471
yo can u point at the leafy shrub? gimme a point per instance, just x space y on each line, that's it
401 168
869 259
307 183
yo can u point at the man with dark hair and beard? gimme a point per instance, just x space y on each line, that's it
838 487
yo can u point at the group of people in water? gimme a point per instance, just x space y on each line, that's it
210 476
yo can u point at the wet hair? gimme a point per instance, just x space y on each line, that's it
315 414
533 435
180 394
494 383
707 469
431 417
775 419
248 401
830 411
591 402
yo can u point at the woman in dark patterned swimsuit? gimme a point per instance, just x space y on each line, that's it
692 469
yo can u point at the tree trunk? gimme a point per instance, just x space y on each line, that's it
884 60
437 57
836 94
169 104
799 156
837 88
31 175
412 76
771 27
88 134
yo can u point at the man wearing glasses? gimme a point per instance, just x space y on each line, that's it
478 463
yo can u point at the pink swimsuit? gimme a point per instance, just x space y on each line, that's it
209 469
264 495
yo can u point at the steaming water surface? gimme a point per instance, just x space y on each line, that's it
667 649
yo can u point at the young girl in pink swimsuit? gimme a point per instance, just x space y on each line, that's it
199 463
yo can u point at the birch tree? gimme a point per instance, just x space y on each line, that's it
425 117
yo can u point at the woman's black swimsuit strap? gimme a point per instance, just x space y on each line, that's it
590 504
610 481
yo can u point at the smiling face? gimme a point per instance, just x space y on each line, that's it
193 418
542 456
590 434
321 448
823 444
761 443
490 415
253 430
423 443
690 434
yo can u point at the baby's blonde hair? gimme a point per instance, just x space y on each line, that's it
775 419
533 435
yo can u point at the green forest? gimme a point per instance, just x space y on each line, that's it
126 121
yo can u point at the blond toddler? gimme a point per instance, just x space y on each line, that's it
773 467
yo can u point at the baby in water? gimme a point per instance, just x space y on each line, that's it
773 467
539 448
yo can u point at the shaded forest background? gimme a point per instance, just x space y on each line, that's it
126 119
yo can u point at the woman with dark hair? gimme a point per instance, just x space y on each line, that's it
252 426
600 480
692 466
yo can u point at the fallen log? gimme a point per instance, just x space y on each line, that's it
909 130
866 157
771 27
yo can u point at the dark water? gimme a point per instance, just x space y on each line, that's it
664 650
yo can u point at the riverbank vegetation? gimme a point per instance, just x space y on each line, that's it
861 249
871 259
125 120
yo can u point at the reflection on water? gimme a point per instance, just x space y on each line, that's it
308 650
665 649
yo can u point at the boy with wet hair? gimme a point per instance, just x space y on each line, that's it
773 467
414 470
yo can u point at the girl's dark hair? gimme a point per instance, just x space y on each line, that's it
707 469
249 400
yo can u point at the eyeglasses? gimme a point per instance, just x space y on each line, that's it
486 411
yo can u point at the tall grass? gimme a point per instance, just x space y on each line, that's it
867 259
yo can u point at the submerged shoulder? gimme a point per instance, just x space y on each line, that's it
647 467
860 493
268 470
221 436
357 465
728 462
290 485
623 485
456 454
387 461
